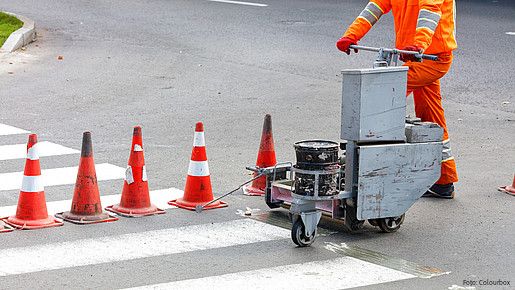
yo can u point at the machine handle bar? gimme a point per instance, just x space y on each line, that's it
395 51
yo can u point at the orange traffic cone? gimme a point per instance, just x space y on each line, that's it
135 201
86 207
509 189
198 183
32 212
266 158
5 228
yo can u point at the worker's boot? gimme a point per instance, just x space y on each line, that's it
440 191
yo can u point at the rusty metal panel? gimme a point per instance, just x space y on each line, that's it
374 104
392 177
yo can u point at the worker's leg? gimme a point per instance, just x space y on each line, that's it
423 81
428 107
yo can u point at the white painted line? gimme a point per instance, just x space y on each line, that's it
137 245
45 148
159 198
510 33
61 176
10 130
240 3
339 273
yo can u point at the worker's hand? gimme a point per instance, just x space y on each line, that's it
411 57
344 44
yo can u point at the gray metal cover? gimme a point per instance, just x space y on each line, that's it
392 177
374 104
419 132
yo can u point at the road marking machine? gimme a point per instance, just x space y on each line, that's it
384 164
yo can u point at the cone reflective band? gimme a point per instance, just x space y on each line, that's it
509 189
135 200
86 207
198 189
266 158
32 211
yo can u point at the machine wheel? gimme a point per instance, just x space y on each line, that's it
298 234
373 222
392 224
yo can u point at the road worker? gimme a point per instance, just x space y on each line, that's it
426 26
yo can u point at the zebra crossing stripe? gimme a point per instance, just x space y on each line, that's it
339 273
10 130
61 176
45 148
159 198
136 245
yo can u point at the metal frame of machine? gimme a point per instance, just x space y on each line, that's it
387 162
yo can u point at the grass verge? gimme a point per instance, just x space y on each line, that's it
8 24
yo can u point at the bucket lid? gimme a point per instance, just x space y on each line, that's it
316 144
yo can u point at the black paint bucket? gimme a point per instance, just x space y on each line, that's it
316 158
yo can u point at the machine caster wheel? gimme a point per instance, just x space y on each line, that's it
390 225
373 222
299 236
357 225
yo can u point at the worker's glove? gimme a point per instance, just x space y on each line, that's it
344 44
411 57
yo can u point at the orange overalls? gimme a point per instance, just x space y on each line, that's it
429 25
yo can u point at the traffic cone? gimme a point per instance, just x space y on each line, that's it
509 189
266 158
135 201
198 183
86 207
32 212
5 228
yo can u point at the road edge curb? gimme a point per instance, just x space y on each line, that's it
21 37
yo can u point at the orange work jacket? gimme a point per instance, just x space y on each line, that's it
428 24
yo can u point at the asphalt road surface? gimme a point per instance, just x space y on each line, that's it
168 64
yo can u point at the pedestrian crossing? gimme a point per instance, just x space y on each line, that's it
45 148
10 130
337 273
64 175
329 271
52 176
332 270
159 198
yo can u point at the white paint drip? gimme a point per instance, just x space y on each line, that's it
240 3
339 273
45 148
10 130
137 245
61 176
159 198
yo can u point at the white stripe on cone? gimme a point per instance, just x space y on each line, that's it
129 178
144 174
198 168
199 140
33 153
32 184
138 148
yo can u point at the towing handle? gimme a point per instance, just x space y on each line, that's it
396 51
